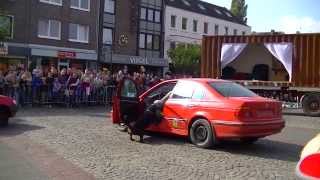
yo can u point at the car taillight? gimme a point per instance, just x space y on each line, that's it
14 102
244 113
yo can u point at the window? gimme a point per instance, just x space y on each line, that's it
184 23
186 2
54 2
149 41
218 11
243 33
195 25
201 7
109 6
235 32
143 13
198 93
173 21
142 41
216 29
150 15
156 42
129 89
81 4
107 36
78 33
157 17
183 90
172 45
205 28
50 29
226 30
230 89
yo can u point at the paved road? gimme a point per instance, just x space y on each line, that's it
87 139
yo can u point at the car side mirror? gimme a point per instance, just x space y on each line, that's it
309 167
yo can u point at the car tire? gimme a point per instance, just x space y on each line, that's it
249 140
311 105
4 119
202 134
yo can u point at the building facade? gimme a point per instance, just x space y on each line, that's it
132 34
63 33
186 21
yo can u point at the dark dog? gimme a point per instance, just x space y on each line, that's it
151 116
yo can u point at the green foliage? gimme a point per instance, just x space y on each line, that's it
239 9
5 26
186 59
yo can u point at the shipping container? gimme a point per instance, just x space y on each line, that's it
305 63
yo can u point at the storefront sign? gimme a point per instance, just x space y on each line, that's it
66 54
138 60
3 49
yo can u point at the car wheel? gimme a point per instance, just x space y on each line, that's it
201 134
311 105
249 140
4 119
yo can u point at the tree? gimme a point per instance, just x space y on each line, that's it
186 59
239 9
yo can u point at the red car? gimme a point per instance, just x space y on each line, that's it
8 108
205 110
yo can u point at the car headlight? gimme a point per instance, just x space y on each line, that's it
14 102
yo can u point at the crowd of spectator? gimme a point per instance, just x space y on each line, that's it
70 84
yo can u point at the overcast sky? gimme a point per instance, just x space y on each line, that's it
281 15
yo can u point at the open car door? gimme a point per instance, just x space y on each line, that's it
126 105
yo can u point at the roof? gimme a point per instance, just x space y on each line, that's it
201 7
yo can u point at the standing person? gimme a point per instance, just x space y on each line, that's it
2 82
168 76
49 82
72 85
25 85
36 85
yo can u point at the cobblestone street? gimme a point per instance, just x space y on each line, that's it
87 140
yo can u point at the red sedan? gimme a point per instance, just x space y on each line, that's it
205 110
8 108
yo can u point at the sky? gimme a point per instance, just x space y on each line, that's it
288 16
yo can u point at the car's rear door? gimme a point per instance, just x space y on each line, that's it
126 105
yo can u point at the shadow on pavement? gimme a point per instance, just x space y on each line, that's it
264 148
17 127
96 111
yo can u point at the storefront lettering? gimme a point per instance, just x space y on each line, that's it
3 49
66 54
138 60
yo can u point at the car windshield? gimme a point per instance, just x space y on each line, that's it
230 89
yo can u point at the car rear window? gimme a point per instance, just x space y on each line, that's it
230 89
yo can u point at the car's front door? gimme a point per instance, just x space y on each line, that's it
126 105
177 109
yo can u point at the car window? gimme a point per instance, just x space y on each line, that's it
129 89
183 90
230 89
198 93
162 90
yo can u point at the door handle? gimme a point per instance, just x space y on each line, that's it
191 105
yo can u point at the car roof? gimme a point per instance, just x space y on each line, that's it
200 80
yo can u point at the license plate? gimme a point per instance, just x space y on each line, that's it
264 113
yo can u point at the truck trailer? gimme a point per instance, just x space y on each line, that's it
281 66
